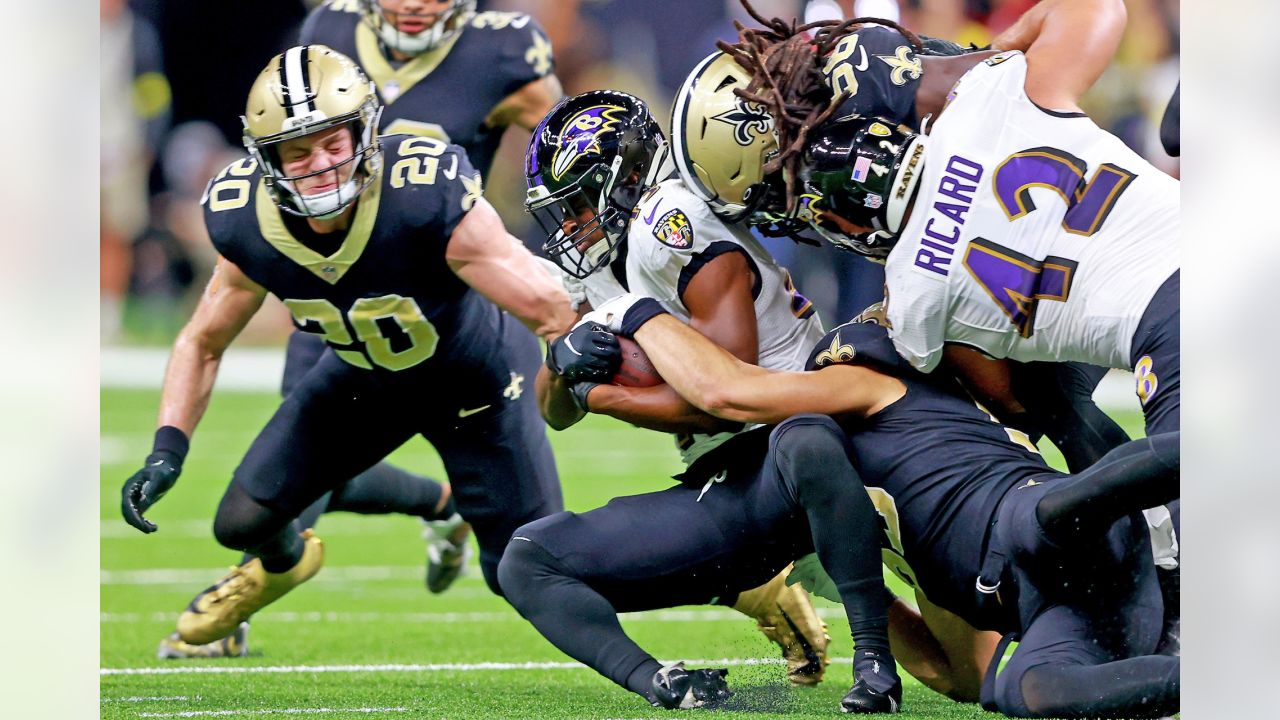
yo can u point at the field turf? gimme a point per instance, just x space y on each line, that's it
364 639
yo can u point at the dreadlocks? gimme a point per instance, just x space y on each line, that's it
785 63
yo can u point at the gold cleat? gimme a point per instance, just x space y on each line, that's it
234 645
219 610
786 616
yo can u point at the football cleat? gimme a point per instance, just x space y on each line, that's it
446 559
219 609
234 645
864 700
674 687
786 616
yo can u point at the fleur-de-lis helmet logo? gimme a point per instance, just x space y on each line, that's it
748 120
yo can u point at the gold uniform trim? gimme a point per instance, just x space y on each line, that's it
393 83
331 268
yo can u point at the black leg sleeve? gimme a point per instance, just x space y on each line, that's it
385 488
243 523
1137 475
1145 686
809 454
574 617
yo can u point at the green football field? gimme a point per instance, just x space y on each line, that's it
364 639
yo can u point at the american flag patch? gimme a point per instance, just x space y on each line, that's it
860 168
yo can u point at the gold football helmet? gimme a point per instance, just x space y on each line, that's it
720 141
304 90
385 23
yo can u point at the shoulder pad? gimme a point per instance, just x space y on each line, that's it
857 343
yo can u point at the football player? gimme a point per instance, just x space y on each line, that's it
595 174
974 519
890 72
384 247
879 69
496 69
443 71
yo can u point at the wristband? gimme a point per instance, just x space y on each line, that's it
172 441
641 312
579 392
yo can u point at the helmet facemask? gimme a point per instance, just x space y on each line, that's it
360 169
448 23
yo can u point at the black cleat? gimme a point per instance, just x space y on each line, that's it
674 687
862 699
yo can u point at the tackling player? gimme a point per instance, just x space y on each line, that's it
596 169
385 248
1060 562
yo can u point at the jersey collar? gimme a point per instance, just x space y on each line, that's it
331 268
393 83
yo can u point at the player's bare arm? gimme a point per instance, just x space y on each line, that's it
229 301
939 649
485 256
719 383
1068 44
985 377
721 308
527 106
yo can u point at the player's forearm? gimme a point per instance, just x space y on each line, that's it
554 400
518 285
188 382
919 652
657 408
704 374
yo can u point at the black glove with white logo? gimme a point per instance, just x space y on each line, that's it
161 470
587 353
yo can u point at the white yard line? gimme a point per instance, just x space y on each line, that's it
451 617
432 667
158 698
283 711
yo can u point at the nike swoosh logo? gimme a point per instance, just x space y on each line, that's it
1030 483
469 413
649 219
862 53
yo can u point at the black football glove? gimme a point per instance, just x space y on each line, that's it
586 353
161 470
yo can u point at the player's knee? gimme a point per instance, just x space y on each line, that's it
524 567
243 523
1166 448
807 438
804 448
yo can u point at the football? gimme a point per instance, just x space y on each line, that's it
636 370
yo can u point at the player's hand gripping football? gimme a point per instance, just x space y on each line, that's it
145 488
587 353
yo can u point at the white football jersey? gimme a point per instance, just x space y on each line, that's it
673 233
1036 235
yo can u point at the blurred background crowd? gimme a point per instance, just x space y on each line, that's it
174 77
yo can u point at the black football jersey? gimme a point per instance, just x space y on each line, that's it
448 91
385 299
936 466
